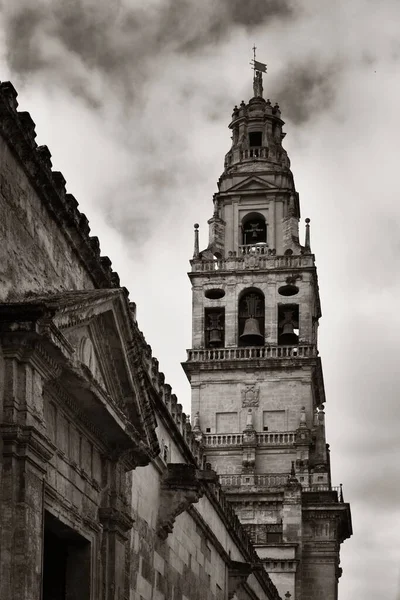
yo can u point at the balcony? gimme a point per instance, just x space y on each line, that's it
230 440
254 152
253 257
255 249
265 481
252 353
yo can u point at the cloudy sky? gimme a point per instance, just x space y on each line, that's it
133 99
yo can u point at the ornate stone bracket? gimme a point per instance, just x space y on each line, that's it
116 521
181 487
237 575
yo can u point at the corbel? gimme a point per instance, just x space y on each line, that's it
238 573
181 486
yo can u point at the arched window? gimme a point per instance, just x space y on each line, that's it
254 229
251 318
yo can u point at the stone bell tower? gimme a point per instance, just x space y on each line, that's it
256 376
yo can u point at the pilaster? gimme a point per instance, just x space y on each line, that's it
26 450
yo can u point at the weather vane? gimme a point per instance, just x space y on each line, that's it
259 68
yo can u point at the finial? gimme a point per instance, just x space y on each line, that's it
288 595
196 252
341 499
307 242
292 470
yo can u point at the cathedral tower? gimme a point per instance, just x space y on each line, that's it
256 376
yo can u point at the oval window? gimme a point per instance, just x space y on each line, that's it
214 294
288 290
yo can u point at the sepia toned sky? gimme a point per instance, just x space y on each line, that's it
133 99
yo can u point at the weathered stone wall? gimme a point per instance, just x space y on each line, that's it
45 238
34 253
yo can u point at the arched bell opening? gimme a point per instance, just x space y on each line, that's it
254 229
214 327
288 324
251 318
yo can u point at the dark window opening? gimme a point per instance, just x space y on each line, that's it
214 294
265 428
288 324
273 537
66 562
251 319
254 229
255 138
214 327
208 429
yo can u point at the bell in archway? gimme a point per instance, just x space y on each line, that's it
251 333
215 337
288 337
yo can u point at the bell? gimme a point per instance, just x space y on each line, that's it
215 337
251 333
288 336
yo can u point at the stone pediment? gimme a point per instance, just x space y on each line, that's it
99 327
252 183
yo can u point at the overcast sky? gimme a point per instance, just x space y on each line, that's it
133 99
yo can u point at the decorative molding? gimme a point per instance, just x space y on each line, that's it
250 395
26 442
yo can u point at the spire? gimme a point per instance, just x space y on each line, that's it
307 246
196 252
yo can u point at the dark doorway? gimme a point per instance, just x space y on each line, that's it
66 562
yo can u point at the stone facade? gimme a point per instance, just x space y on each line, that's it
105 490
254 368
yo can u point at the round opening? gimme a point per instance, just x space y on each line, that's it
288 290
214 294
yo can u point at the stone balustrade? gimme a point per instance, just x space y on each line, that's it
254 152
261 249
280 438
252 352
253 257
273 480
215 440
263 480
273 438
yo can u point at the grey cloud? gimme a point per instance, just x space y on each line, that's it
122 41
306 89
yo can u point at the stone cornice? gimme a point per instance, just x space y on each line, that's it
338 512
27 442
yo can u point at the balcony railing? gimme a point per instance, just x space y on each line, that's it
273 480
271 438
265 480
276 438
256 249
251 353
255 152
253 257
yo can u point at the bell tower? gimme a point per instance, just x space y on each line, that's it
256 376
